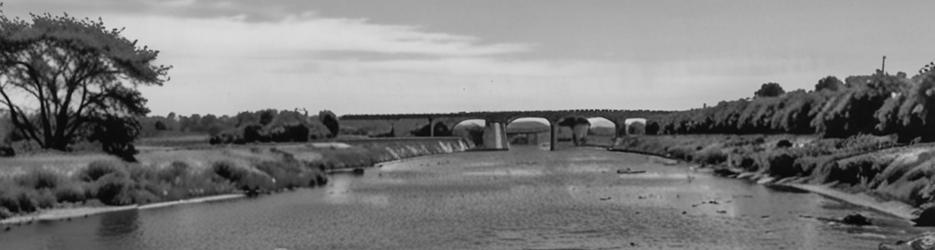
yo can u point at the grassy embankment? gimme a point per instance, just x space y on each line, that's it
862 164
42 181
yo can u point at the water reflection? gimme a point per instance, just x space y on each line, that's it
340 191
119 224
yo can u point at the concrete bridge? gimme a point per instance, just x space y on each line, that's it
496 121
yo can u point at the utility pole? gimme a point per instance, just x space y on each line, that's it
883 67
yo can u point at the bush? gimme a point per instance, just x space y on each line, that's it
112 189
808 164
242 178
39 179
45 198
252 133
680 153
744 161
98 169
174 173
230 171
862 170
7 151
288 174
142 196
16 199
71 192
782 164
710 156
140 173
320 179
27 200
5 213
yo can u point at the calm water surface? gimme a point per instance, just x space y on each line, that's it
521 199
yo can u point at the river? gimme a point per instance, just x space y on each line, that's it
520 199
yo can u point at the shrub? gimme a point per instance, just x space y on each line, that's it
45 198
745 161
8 199
142 196
5 213
112 189
320 178
140 173
242 178
253 133
782 164
288 174
784 144
27 200
39 179
17 199
174 173
808 164
71 192
230 171
711 156
98 169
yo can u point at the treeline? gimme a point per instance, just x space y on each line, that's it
267 125
879 104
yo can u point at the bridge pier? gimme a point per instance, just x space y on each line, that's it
431 127
495 136
553 135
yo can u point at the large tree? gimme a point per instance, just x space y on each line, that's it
330 120
61 76
829 83
770 89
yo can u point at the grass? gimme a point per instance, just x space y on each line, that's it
48 180
871 164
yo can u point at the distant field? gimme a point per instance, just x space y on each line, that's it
59 162
174 140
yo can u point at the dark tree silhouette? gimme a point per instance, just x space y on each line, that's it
652 128
116 134
330 121
770 89
62 76
440 130
830 83
252 133
266 116
637 128
159 125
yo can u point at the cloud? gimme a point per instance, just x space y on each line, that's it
220 50
300 36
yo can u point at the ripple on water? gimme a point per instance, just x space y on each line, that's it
506 172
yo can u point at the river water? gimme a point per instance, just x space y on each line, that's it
521 199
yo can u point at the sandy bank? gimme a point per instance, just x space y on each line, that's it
65 213
893 208
812 182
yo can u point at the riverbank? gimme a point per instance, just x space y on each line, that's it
53 186
869 171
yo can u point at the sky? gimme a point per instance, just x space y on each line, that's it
419 56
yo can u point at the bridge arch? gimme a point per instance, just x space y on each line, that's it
602 131
635 126
472 130
529 130
572 127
